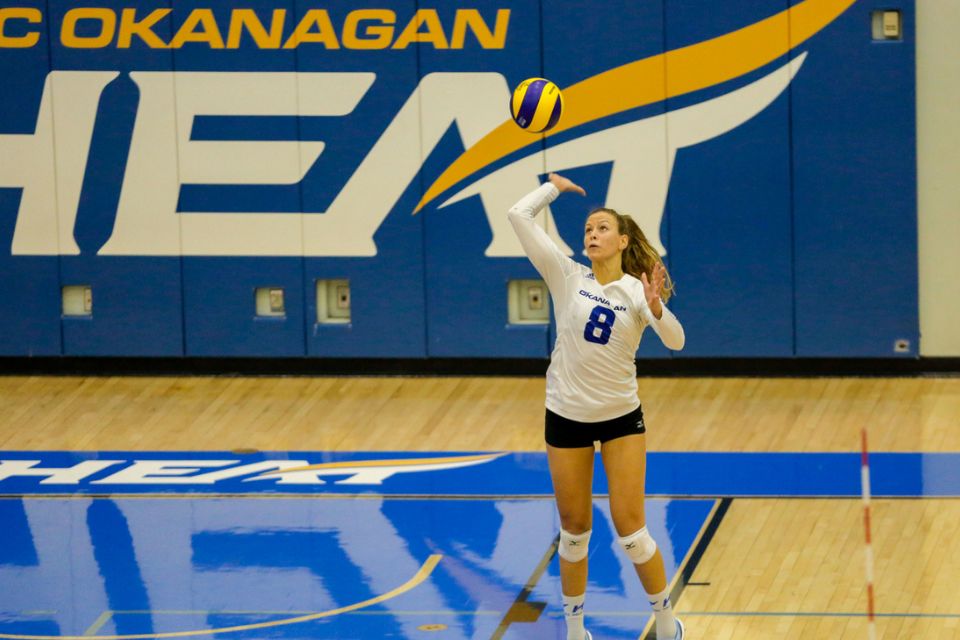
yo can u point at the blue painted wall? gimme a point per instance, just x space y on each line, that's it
789 232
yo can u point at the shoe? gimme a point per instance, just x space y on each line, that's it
679 635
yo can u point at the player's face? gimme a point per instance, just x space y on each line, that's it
601 237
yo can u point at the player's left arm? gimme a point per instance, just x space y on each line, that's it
661 319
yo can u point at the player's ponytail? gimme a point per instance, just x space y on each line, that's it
639 257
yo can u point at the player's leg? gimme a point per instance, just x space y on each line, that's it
624 459
571 470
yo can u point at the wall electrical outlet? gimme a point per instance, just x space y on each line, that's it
887 24
535 297
276 300
343 296
527 302
333 301
891 24
77 300
269 302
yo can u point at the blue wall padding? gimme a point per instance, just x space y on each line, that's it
790 234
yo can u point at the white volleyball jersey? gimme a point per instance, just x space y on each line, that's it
592 374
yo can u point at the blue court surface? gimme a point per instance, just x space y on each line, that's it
310 545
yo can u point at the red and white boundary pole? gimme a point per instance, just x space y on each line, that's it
865 491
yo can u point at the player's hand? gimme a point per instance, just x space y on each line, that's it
565 184
653 287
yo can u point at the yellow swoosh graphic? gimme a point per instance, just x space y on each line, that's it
694 67
404 462
422 574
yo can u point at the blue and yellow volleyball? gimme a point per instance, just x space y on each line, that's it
537 105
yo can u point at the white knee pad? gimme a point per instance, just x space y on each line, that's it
639 545
573 547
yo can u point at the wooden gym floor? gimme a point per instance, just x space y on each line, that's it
776 568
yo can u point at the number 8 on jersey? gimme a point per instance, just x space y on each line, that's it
599 325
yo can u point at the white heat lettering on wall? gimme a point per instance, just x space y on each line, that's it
163 158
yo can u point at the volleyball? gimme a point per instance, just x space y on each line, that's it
536 105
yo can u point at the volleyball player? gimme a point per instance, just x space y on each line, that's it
601 312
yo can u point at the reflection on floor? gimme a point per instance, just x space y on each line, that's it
313 545
284 566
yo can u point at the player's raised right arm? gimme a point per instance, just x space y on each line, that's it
542 251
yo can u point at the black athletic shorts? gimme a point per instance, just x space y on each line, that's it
566 434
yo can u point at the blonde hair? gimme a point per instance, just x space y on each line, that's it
639 257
